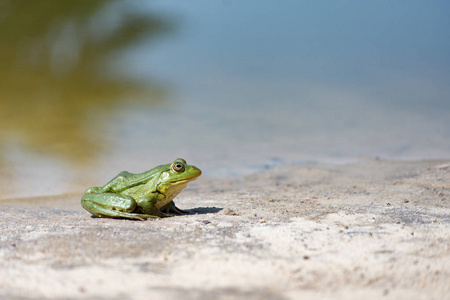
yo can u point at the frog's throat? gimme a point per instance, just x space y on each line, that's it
171 192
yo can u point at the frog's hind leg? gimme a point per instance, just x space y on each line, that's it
102 212
112 205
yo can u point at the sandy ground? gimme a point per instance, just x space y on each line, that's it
367 230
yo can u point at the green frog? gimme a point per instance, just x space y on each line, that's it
141 196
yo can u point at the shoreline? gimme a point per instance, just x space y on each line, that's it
247 171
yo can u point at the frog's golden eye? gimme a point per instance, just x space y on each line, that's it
178 167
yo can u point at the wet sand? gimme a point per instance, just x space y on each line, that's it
372 229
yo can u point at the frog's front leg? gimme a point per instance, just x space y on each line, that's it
147 205
171 208
112 205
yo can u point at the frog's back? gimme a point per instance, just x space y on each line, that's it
126 180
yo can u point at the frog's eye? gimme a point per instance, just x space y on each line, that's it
178 167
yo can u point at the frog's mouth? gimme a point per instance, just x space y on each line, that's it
177 182
184 181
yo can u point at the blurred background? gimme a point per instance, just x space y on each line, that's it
89 88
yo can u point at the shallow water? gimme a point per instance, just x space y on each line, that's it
92 88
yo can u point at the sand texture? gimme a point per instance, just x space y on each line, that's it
367 230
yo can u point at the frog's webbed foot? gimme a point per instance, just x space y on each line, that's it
131 216
140 217
171 208
165 215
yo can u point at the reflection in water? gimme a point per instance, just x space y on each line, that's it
56 81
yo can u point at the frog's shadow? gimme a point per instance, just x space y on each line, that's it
203 210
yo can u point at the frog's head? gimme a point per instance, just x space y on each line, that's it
175 177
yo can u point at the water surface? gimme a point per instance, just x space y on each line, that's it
91 88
